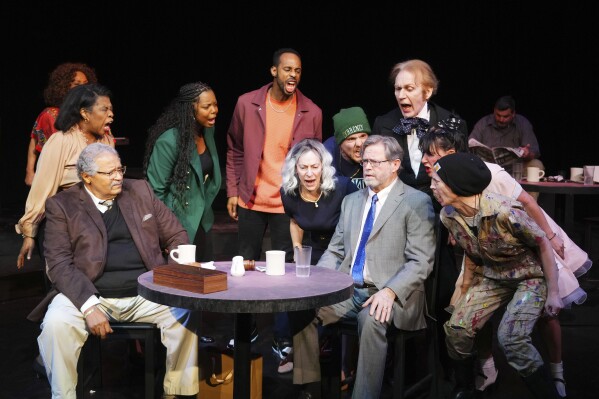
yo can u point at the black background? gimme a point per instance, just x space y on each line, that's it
544 56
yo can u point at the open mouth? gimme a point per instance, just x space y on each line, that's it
290 86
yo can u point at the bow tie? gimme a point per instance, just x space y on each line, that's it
406 125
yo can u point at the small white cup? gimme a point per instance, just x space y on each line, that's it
533 174
184 254
588 175
237 268
576 174
303 256
275 263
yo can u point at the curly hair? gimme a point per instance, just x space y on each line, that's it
59 82
180 115
327 178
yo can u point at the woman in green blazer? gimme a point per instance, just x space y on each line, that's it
181 162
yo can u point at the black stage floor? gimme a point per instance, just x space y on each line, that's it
123 376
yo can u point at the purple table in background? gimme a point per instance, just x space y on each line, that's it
562 212
255 292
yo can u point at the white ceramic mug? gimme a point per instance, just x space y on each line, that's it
184 254
533 174
576 174
275 263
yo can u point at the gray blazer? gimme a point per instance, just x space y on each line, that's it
399 252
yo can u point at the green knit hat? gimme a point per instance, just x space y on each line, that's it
350 121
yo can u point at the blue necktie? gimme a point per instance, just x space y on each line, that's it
358 269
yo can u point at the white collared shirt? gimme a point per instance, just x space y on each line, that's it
413 141
382 197
101 208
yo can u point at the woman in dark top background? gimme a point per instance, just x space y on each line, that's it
312 195
312 198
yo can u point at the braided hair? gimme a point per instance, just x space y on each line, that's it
179 114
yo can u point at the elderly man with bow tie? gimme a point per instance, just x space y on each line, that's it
101 234
414 84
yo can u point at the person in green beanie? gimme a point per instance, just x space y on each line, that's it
351 130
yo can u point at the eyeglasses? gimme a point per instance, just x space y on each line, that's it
112 174
375 164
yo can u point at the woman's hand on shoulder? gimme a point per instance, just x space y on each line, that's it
26 250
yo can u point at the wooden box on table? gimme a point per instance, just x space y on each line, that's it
190 278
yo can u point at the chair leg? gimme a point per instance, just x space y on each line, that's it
399 374
89 376
149 363
588 231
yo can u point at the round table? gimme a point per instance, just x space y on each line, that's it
255 292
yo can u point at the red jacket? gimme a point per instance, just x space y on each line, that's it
245 137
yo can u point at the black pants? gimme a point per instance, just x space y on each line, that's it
252 227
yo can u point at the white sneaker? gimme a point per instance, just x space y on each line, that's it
484 378
560 386
285 366
253 338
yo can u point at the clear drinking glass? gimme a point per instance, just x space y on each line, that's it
588 172
303 254
517 168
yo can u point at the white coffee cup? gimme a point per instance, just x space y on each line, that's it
184 254
275 263
533 174
576 174
303 256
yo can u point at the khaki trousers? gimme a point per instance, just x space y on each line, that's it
64 332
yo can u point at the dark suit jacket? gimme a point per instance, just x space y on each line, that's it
76 239
384 125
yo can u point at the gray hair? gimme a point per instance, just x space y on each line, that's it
87 159
393 149
290 179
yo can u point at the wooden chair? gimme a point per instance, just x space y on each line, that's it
148 333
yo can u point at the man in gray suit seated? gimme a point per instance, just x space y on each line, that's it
388 250
101 234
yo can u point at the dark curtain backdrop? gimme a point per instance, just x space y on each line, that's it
543 56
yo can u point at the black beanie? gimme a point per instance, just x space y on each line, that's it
465 173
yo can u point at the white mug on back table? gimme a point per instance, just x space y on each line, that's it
576 174
533 174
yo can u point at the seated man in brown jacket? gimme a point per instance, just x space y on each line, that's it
101 234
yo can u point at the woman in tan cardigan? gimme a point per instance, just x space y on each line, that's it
85 117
